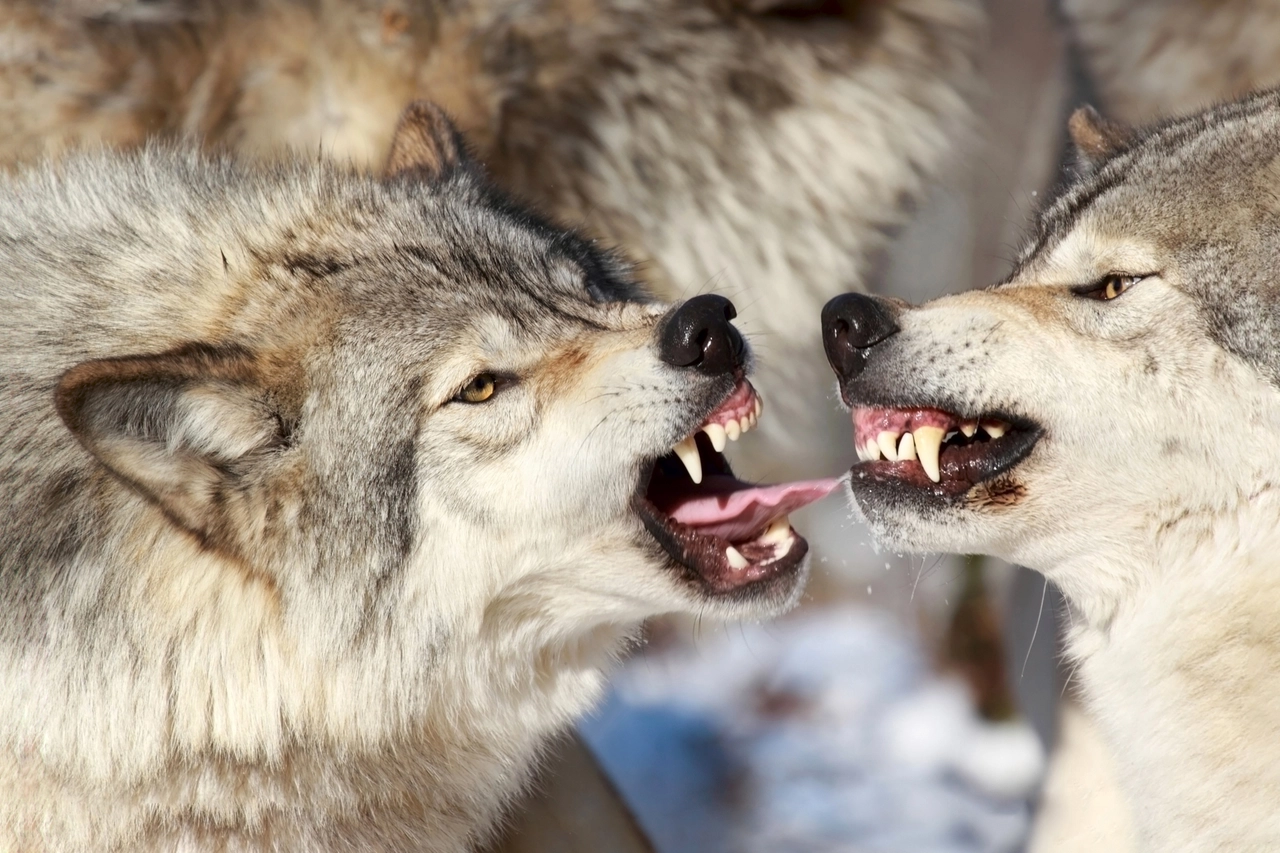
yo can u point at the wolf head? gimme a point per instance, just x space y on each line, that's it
1124 380
316 433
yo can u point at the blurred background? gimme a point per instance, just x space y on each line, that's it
904 706
778 152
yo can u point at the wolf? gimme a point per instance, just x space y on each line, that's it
329 498
1108 416
762 148
1158 58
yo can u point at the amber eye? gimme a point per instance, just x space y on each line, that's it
479 389
1107 288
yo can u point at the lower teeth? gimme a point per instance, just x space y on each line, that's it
735 558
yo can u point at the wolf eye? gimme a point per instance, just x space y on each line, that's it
479 389
1108 287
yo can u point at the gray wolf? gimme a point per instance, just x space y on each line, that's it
1157 58
329 498
761 148
1108 416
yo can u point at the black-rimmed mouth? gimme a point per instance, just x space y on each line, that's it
936 451
728 536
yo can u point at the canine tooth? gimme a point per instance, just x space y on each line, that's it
732 430
715 432
735 558
907 448
968 428
928 441
873 450
994 428
687 450
778 531
888 442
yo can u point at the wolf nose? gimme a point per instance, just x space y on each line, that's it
698 334
852 323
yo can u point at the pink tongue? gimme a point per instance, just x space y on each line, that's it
739 514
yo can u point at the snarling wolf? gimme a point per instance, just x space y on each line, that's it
328 498
1109 415
760 148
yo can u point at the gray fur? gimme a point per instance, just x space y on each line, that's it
1206 190
764 150
265 586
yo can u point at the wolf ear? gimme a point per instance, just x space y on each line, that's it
183 428
1095 138
426 144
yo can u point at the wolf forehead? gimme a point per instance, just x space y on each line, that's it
1199 197
180 247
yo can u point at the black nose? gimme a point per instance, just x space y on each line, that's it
852 323
698 334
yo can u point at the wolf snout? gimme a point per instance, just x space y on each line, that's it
852 323
699 335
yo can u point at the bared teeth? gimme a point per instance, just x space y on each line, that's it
779 531
968 428
928 441
907 448
995 429
872 450
732 430
735 558
759 408
888 444
715 432
687 450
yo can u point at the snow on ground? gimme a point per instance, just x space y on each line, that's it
825 732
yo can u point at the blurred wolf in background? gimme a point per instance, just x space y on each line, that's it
1150 59
1109 415
761 148
327 498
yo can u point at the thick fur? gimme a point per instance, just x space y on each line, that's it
1152 498
266 584
761 148
1154 58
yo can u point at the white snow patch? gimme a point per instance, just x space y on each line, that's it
827 732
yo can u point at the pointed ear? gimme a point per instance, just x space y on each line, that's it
1095 138
184 428
426 144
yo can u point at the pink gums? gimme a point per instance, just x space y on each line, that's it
741 402
869 423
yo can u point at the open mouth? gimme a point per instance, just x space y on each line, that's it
936 450
731 535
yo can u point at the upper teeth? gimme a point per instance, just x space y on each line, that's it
687 450
719 435
928 445
924 444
